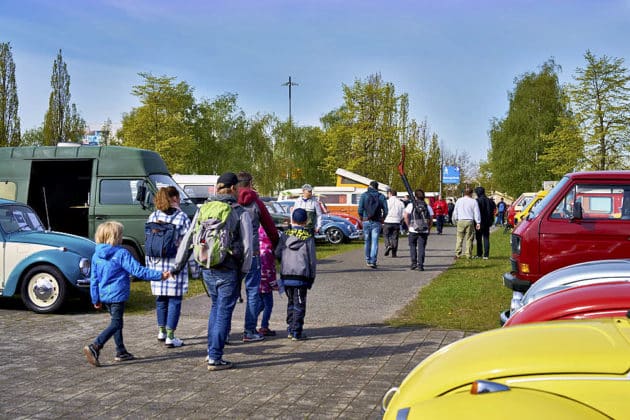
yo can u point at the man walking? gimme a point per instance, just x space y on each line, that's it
391 225
466 215
440 209
222 280
248 198
500 212
372 210
486 213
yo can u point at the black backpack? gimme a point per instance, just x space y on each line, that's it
372 207
419 217
160 239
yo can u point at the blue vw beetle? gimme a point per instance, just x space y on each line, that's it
40 265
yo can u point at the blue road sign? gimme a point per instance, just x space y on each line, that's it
450 175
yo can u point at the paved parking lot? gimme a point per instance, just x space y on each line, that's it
350 359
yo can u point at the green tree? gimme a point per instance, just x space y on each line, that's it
33 136
62 121
600 101
9 119
519 140
163 122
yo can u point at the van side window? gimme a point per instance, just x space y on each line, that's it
597 201
118 191
8 190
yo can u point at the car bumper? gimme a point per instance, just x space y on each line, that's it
356 235
83 282
514 283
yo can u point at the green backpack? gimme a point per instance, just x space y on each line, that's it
213 233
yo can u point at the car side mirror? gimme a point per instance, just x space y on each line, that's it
141 193
577 211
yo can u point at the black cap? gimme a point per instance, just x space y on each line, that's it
227 179
299 216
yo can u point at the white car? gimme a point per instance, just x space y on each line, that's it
592 272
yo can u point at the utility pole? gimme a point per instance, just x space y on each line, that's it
289 84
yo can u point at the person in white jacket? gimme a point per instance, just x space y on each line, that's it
391 224
466 215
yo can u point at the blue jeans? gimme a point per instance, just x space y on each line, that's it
439 223
168 309
296 309
252 283
116 311
223 289
371 230
266 306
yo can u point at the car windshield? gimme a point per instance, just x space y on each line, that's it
162 180
19 219
549 197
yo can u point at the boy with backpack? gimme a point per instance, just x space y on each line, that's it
222 246
419 217
372 210
296 252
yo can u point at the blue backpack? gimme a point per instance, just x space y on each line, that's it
160 239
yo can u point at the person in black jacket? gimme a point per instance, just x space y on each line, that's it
486 211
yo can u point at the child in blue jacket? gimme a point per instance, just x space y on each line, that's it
110 286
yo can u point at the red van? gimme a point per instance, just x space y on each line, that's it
585 217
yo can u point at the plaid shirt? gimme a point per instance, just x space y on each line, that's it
174 285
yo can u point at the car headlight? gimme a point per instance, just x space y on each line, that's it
516 303
516 244
84 266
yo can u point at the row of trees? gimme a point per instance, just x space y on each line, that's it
550 129
62 121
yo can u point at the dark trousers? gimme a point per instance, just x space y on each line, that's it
417 245
482 236
391 231
439 223
296 309
115 327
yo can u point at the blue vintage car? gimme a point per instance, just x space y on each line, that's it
334 229
40 265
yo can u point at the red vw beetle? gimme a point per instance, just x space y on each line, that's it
581 302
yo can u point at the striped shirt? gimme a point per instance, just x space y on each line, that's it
174 285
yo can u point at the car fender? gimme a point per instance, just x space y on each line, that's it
327 225
65 261
514 404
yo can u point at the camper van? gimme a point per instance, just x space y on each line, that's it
197 187
337 199
75 189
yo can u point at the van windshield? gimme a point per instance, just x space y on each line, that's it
549 197
161 180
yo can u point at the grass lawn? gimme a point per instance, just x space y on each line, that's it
468 296
141 299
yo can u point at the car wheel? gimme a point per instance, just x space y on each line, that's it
134 253
43 289
334 235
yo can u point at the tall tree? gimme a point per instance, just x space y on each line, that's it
9 119
163 122
62 121
600 101
518 140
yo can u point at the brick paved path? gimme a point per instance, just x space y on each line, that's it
342 370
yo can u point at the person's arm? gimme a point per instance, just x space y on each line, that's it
266 221
94 285
312 258
431 214
133 267
477 215
360 210
406 215
384 206
318 215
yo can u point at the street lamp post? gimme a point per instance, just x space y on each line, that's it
289 84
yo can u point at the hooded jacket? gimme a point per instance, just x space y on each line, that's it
296 252
259 214
111 267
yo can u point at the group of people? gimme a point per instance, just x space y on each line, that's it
472 216
255 244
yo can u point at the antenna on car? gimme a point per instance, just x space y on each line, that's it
46 208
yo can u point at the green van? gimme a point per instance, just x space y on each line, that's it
75 188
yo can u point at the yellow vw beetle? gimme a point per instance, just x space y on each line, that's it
576 369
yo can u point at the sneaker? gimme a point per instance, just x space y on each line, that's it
124 357
485 258
219 364
161 336
421 268
249 337
373 265
173 342
413 267
290 336
266 332
91 354
299 337
387 250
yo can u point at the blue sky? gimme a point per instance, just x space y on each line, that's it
457 60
